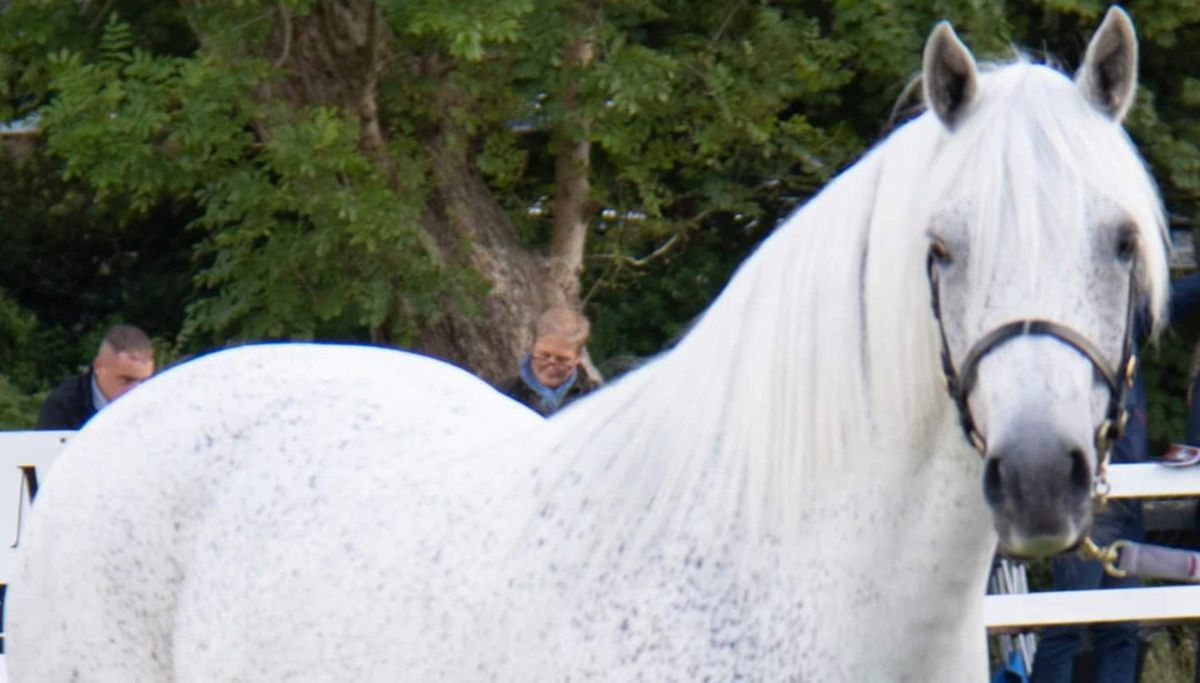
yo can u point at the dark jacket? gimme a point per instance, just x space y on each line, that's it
516 389
70 405
1134 445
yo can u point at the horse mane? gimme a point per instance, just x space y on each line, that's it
822 348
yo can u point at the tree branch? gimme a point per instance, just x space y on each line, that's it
572 170
371 136
725 24
286 50
640 261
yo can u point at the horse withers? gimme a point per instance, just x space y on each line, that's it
788 494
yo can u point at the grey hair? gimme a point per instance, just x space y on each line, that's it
564 322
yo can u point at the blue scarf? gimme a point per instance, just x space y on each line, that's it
549 398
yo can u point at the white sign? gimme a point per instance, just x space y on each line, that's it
25 458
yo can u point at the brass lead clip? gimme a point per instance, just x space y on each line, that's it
1108 555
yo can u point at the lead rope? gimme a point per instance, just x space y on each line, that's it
1127 558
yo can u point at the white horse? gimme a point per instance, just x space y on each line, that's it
787 495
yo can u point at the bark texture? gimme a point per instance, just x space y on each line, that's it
335 55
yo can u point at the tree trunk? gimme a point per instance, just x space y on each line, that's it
571 183
463 211
333 56
523 283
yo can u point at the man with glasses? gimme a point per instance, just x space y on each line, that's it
550 376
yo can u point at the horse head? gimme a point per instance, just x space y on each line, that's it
1045 257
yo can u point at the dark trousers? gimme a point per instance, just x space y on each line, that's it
1115 645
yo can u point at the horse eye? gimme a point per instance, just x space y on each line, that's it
1127 243
939 252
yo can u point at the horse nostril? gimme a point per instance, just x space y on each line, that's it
993 485
1081 470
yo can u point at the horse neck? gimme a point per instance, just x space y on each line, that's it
771 397
897 523
772 442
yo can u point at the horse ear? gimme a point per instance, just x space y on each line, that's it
948 74
1108 77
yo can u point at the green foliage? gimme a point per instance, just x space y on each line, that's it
311 243
305 237
467 28
637 314
74 264
20 359
1166 370
18 410
709 121
147 126
18 334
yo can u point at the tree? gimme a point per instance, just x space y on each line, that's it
431 174
366 170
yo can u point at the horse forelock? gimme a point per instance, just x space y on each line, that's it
822 349
1038 159
1035 170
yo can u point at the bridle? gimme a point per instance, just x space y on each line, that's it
959 382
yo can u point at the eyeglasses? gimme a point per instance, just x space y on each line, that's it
555 360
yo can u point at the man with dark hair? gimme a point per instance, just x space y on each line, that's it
125 359
550 375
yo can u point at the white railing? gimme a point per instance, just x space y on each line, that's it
1017 612
1159 605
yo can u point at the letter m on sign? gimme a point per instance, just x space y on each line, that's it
25 496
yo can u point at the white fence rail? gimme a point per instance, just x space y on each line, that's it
1159 605
1017 612
1149 480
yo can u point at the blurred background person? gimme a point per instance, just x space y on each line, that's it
124 360
551 375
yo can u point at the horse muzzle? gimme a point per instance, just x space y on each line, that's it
1039 487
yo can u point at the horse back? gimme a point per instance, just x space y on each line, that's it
185 480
